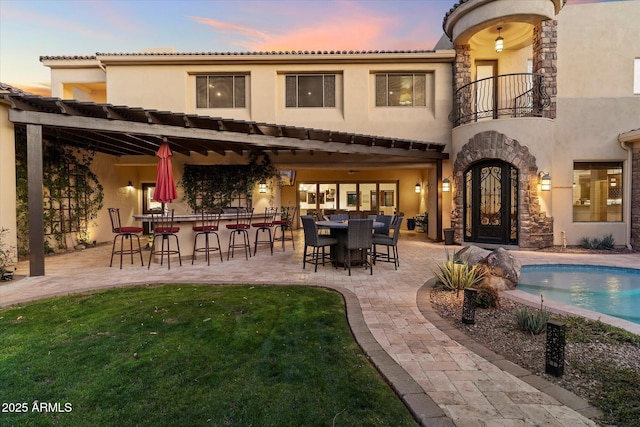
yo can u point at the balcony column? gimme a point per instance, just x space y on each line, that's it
462 67
545 58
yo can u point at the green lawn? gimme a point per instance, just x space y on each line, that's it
182 355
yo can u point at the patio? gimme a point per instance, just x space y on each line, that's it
441 381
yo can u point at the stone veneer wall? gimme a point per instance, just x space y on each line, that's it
535 229
635 197
462 67
545 60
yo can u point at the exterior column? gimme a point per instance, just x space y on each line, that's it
635 197
36 214
545 58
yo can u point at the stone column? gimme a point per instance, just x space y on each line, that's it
635 197
545 43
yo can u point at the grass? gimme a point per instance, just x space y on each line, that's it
191 355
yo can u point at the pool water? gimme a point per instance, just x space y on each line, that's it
609 290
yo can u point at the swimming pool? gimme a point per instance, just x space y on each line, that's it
609 290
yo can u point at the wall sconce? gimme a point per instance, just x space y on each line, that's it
130 185
499 41
545 181
446 185
417 187
262 187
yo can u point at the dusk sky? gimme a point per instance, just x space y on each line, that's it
33 28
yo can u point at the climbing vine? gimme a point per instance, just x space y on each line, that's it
216 186
72 194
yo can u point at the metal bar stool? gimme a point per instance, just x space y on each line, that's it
240 228
124 233
163 228
285 223
265 226
209 225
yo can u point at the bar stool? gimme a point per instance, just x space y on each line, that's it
162 227
240 228
285 223
265 226
209 225
124 233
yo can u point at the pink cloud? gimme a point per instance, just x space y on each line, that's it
229 28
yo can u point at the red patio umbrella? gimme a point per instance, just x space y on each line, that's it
165 191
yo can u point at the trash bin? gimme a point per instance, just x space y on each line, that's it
448 236
411 223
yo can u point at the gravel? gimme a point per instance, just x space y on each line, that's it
496 329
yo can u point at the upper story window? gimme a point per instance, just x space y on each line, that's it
311 90
401 90
217 91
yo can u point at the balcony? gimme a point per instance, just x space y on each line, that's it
504 96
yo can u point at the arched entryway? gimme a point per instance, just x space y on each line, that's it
503 180
491 203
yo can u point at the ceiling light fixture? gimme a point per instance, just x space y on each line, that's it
499 41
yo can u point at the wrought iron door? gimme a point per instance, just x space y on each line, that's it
491 203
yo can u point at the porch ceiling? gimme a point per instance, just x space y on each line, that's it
122 130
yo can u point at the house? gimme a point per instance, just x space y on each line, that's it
521 128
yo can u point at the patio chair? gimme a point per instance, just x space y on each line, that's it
316 241
389 242
386 220
208 228
240 229
163 228
265 226
287 215
359 241
124 233
339 217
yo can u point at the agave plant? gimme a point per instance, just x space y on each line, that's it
457 275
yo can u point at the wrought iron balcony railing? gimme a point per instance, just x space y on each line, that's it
508 95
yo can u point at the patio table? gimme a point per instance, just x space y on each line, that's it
338 231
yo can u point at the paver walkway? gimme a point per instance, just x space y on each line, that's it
442 381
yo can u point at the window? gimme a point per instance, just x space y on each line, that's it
311 90
220 91
597 192
400 90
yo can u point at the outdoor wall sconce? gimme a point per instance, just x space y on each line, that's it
417 187
262 187
130 185
499 41
446 185
545 181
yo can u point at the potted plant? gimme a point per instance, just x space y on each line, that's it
422 221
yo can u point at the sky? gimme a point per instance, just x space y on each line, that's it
33 28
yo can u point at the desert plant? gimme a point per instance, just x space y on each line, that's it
607 242
487 296
533 321
456 275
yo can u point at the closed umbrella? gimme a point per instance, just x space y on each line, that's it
165 191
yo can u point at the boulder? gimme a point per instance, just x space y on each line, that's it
502 269
472 254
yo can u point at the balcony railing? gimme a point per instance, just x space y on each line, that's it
508 95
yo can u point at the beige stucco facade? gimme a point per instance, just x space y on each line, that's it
585 54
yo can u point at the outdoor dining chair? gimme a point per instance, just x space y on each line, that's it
317 242
390 242
207 228
265 226
124 233
386 220
339 217
163 228
360 241
240 229
287 215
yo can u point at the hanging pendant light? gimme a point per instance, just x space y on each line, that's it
499 41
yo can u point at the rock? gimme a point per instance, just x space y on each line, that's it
503 270
472 254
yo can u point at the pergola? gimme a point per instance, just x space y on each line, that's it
122 130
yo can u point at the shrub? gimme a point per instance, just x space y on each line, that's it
455 275
487 297
607 242
7 257
533 321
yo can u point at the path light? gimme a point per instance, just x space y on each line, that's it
554 353
469 306
499 41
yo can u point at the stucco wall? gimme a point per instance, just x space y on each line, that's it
7 178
